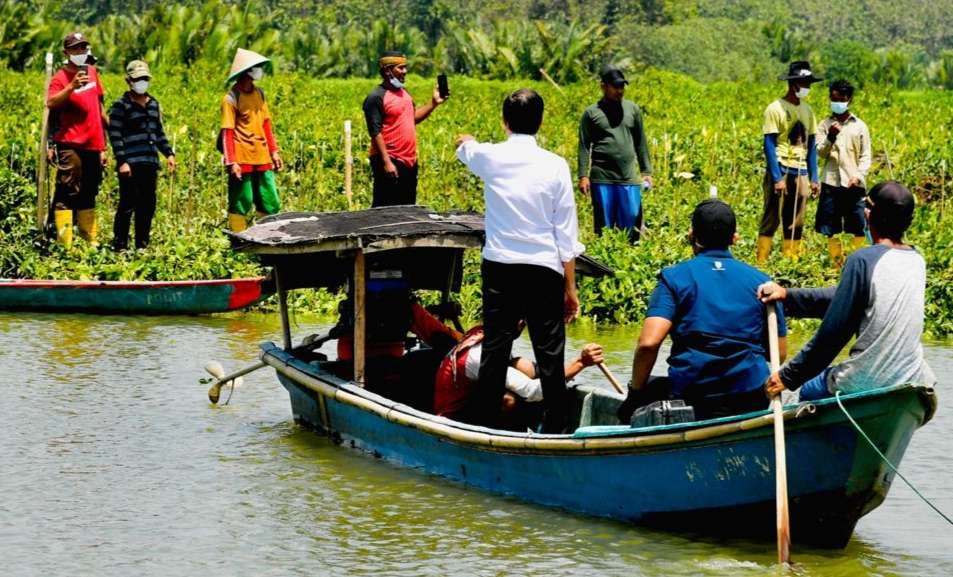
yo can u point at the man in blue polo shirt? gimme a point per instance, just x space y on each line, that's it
709 305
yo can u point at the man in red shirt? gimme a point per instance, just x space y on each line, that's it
391 121
75 97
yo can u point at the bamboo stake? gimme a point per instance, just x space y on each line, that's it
348 164
780 458
42 185
551 81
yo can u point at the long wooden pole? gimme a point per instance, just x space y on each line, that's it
348 164
360 320
42 202
615 382
780 458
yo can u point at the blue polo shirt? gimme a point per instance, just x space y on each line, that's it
719 331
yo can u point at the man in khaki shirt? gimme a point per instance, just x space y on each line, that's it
843 141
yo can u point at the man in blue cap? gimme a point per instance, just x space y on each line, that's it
709 305
612 153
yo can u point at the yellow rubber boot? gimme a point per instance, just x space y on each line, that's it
787 248
796 249
63 219
858 242
237 222
764 248
86 221
836 250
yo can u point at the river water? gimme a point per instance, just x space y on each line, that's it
114 463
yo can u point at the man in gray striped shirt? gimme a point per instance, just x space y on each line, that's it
137 137
879 298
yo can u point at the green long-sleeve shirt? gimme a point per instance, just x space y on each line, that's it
617 140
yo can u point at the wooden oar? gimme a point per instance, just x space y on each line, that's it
615 382
780 460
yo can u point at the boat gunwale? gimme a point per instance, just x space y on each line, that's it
615 439
121 284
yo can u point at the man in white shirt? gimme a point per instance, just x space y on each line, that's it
528 259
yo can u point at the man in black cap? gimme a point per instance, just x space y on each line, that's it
710 307
75 98
611 142
791 159
392 118
879 299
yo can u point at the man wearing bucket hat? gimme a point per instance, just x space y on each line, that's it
791 158
391 122
248 143
612 146
75 98
137 136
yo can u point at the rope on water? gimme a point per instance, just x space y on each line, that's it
886 460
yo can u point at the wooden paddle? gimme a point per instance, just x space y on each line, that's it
615 382
780 459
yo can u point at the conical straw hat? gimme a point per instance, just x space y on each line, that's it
244 61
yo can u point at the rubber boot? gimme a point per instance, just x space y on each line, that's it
836 250
796 249
787 248
63 219
764 248
86 221
237 222
858 242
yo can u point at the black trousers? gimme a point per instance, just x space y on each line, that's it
390 191
137 195
514 292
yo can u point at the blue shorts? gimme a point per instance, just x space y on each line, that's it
816 388
617 206
840 210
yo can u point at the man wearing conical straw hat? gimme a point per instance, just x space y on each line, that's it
248 143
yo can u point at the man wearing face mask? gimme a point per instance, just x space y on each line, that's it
612 145
843 141
75 99
391 122
791 158
250 151
137 137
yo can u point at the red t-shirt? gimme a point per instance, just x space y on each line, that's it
390 113
79 121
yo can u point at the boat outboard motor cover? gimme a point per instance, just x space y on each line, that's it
663 413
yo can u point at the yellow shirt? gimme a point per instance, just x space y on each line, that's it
783 118
247 117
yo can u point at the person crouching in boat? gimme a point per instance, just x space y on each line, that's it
719 333
458 378
879 298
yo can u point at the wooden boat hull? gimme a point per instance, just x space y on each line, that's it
144 297
716 477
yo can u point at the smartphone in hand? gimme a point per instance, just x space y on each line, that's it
84 68
442 86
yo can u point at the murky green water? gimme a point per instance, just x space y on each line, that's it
113 463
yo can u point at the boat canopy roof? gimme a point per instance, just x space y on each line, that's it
370 230
316 249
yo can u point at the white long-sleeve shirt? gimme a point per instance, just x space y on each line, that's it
530 203
517 382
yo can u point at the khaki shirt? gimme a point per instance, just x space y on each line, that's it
848 156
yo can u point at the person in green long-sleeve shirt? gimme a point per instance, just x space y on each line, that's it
611 142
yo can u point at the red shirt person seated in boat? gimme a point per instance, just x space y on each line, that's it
458 377
879 299
710 307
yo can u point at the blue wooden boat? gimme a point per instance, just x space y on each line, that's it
715 477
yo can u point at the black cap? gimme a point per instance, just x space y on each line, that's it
891 208
713 224
800 70
612 75
74 39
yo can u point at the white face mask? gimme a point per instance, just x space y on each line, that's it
395 83
140 86
802 92
257 73
77 59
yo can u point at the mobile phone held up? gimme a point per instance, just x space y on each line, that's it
442 86
84 68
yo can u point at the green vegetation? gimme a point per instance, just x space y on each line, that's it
882 42
699 135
